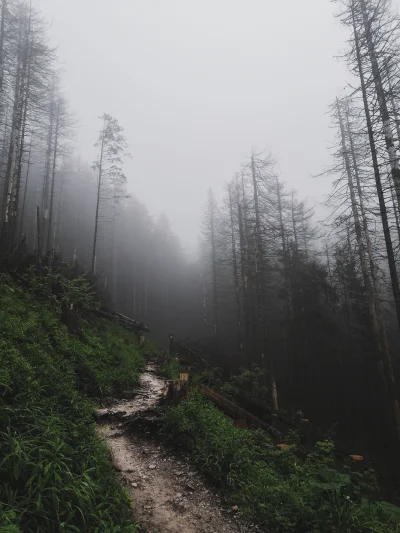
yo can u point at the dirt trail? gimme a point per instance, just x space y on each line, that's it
169 496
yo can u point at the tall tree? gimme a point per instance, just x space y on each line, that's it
209 232
109 167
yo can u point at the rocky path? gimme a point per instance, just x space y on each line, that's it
169 496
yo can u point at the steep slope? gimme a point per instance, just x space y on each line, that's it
170 496
56 474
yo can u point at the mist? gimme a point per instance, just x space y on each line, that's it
212 189
197 86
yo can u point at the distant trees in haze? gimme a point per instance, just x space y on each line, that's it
109 168
26 84
51 202
316 309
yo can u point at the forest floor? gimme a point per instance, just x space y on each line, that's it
169 495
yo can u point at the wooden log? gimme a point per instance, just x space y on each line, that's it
185 354
127 319
233 410
125 322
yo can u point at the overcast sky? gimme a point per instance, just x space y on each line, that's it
197 84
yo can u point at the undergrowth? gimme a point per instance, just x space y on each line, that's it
171 368
56 474
277 488
248 382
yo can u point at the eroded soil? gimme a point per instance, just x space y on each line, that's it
169 496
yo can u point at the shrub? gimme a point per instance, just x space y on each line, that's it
275 487
171 368
56 474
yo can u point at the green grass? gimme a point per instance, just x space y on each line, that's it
56 474
277 488
171 368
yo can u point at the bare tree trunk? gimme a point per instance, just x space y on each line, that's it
34 240
235 273
47 168
395 211
251 312
25 93
2 34
280 210
244 275
3 108
114 257
96 225
53 179
386 230
260 269
10 179
358 230
305 238
294 226
288 295
56 244
378 181
39 249
21 225
204 302
383 107
347 313
74 257
146 294
397 123
258 263
214 265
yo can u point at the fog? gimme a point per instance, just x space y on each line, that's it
285 303
197 85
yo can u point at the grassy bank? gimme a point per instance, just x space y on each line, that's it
56 475
278 488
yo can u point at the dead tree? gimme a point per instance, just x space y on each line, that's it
235 270
109 167
260 291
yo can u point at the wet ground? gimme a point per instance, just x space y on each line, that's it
169 496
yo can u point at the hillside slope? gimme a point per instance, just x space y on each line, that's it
56 475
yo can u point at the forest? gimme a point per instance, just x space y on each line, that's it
304 314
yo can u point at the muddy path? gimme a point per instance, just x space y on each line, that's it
169 496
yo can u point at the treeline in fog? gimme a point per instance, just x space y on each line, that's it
55 202
318 305
314 306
